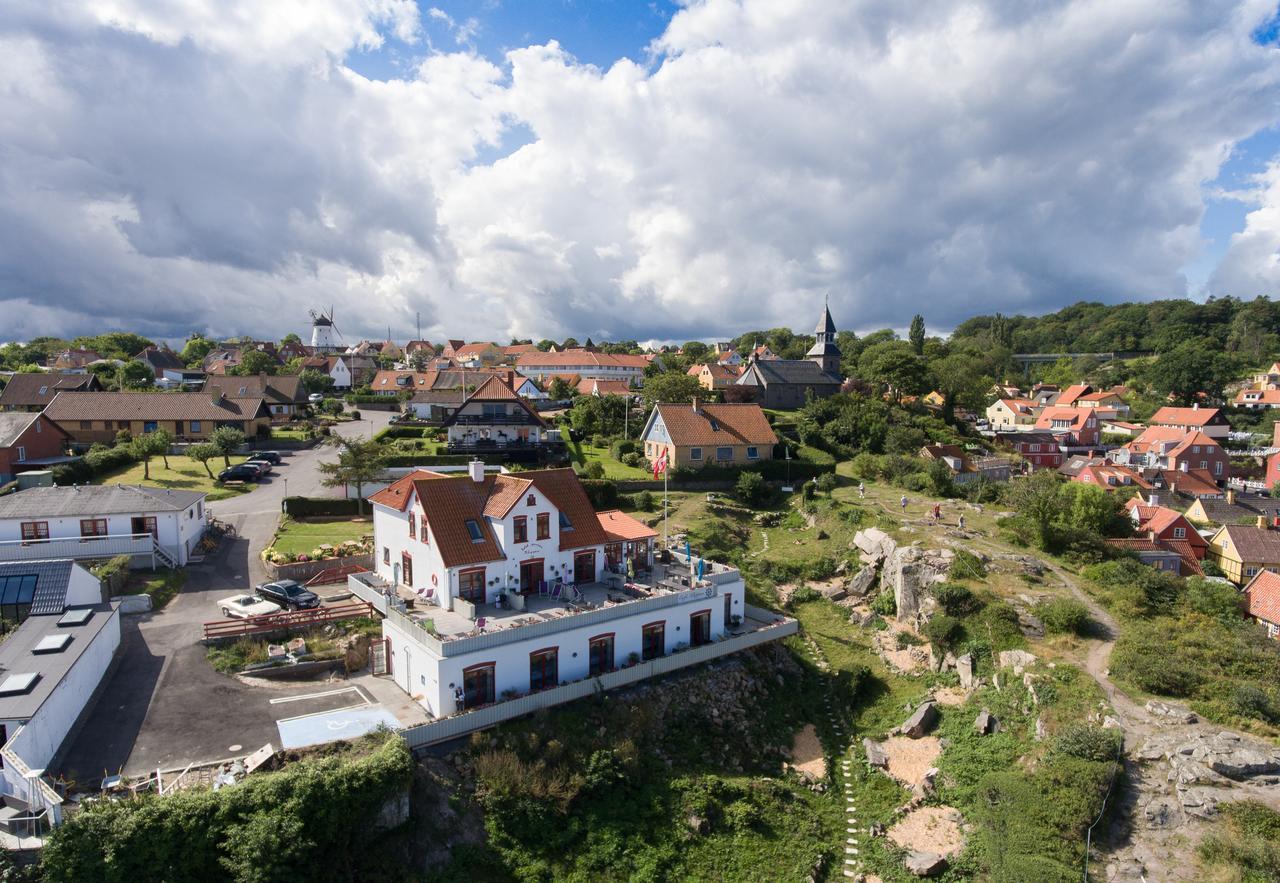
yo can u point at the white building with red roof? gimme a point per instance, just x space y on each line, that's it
519 586
1210 421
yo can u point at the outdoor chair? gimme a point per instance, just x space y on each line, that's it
480 625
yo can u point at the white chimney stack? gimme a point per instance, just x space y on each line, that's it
476 468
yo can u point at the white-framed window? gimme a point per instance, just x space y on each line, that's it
695 453
1217 468
22 453
1179 533
195 426
724 453
753 453
1251 571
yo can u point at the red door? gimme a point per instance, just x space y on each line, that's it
406 569
584 567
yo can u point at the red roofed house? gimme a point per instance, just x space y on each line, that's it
1207 420
713 375
1164 447
1257 399
1262 601
1109 476
1075 427
604 388
1011 413
1167 524
696 435
1174 557
514 592
1069 396
585 363
496 416
29 441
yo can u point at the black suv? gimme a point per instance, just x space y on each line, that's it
239 472
289 594
272 457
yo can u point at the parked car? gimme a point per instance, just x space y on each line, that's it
315 398
244 606
239 472
263 466
272 457
289 594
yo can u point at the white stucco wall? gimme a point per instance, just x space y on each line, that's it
176 531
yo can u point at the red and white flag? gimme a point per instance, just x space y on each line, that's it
660 464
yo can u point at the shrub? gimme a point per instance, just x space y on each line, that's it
966 565
1248 842
1211 598
1251 701
602 493
885 604
1088 742
644 500
942 630
866 466
1064 616
594 470
804 595
620 448
305 507
101 462
956 599
751 488
633 459
825 482
1152 668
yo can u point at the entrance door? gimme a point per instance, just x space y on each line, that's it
477 685
144 525
530 575
406 568
700 627
584 567
600 655
728 609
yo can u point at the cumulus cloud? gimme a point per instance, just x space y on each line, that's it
1251 265
180 165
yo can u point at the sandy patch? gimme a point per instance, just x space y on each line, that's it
910 759
951 696
933 829
807 755
907 660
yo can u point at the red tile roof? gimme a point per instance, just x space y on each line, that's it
719 424
619 526
1069 395
579 357
1185 416
1262 596
1075 416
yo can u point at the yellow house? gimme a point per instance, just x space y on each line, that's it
1244 551
1011 413
713 376
696 435
934 399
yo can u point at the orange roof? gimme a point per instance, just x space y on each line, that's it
1193 438
576 357
1099 473
1025 406
1185 416
1193 482
1076 416
1154 435
390 380
604 387
1262 596
1258 397
476 349
619 526
721 424
1071 394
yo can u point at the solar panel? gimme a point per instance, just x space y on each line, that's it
17 684
52 644
75 616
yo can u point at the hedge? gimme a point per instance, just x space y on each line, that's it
296 824
407 432
92 465
602 493
356 399
437 459
304 507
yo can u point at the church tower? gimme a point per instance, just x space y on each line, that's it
824 350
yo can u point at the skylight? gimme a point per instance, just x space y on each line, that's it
17 684
565 523
75 616
473 528
52 644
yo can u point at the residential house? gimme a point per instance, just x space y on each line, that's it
1210 421
1243 551
1121 427
934 399
496 416
284 394
1195 484
1262 602
1105 402
419 346
1234 508
1074 427
1159 554
762 353
77 360
729 358
604 388
475 355
1005 391
33 392
392 383
1169 448
1108 476
1257 399
514 351
187 416
1069 396
966 469
1011 414
1044 394
451 348
52 665
696 435
1169 525
587 364
350 371
434 405
713 375
1039 450
294 349
513 572
1269 379
390 350
29 441
161 359
102 520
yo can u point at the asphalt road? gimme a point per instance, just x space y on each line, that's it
165 706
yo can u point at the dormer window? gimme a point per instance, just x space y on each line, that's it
565 523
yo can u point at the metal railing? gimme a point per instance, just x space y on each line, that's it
771 628
40 795
86 547
273 622
521 419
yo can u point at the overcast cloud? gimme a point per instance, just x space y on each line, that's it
172 166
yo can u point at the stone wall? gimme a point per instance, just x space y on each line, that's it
302 571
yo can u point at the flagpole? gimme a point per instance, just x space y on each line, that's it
666 543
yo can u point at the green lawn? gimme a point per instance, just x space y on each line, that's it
300 537
582 454
183 474
292 434
162 585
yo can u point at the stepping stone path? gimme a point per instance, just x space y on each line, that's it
852 867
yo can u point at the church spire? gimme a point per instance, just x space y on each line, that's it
824 350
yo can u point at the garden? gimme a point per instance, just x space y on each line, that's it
314 539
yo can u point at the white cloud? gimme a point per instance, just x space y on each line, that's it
189 164
1251 265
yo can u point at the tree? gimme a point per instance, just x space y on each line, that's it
1187 370
135 374
149 445
963 381
671 387
1036 499
561 390
545 345
114 344
696 350
751 488
896 367
195 350
360 461
202 453
314 381
598 415
569 343
227 439
255 362
916 334
1090 508
291 338
419 359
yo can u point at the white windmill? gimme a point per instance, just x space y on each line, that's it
323 331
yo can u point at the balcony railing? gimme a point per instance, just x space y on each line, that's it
521 419
79 548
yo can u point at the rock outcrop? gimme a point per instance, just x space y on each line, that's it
1018 660
876 755
925 864
964 668
985 723
921 721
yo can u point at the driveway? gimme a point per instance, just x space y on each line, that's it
165 706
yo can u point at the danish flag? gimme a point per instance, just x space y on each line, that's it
660 464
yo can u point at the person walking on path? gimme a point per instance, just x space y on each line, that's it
904 504
937 512
961 521
862 491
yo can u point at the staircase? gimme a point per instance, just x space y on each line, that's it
164 555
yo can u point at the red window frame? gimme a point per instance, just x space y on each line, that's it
599 640
544 525
646 631
91 528
707 637
413 525
468 593
520 529
34 531
546 662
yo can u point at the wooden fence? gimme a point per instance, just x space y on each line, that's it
223 629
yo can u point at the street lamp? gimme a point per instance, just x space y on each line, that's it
283 504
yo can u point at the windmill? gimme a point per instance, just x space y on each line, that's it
323 330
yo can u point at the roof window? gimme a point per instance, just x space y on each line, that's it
52 644
473 528
17 684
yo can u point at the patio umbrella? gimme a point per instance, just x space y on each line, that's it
688 552
701 564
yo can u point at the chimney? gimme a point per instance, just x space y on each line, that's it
1231 496
476 468
1195 406
511 379
1262 522
697 405
1153 536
